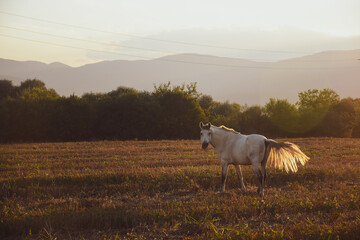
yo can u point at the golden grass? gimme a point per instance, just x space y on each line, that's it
167 190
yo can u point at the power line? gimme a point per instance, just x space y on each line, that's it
136 48
117 53
156 39
159 59
86 40
149 38
68 46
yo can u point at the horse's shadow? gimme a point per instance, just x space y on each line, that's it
305 177
230 192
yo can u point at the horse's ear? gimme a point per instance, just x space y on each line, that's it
201 125
205 126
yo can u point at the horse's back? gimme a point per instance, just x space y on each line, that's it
255 145
256 138
244 147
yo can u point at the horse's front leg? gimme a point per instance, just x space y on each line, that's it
240 176
224 171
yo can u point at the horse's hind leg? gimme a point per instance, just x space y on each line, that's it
260 178
263 166
240 176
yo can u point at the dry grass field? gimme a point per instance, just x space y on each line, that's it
167 190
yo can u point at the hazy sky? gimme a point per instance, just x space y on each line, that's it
77 32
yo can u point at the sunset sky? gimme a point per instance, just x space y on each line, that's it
78 32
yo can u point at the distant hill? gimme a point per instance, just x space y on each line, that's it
236 80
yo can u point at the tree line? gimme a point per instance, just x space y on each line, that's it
31 112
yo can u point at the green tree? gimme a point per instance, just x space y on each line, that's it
6 89
356 129
283 115
121 90
225 114
254 120
29 84
72 119
180 111
313 106
38 93
340 119
317 98
206 101
127 116
93 97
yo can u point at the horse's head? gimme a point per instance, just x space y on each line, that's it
205 134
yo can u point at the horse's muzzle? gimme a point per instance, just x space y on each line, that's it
205 145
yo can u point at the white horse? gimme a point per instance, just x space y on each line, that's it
238 149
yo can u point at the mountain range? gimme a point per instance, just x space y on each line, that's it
235 80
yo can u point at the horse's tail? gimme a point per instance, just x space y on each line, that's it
284 155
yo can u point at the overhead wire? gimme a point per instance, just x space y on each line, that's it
160 59
68 46
153 39
136 48
150 38
86 40
129 47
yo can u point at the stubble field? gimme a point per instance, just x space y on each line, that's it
167 190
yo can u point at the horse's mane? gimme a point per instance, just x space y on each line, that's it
228 129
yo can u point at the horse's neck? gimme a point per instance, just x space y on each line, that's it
219 137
